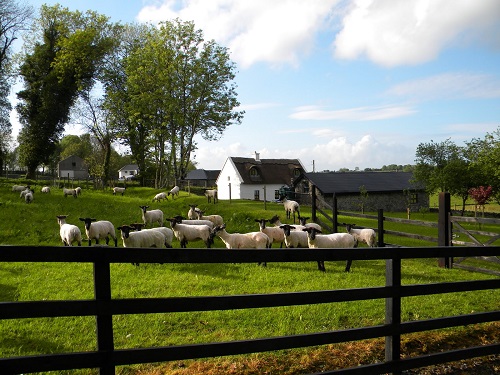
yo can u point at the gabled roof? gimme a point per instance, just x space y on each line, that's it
203 174
129 167
350 182
268 171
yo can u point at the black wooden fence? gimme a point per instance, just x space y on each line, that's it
104 307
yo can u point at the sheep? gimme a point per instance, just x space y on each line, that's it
151 216
145 238
275 220
119 190
69 233
193 211
290 208
174 191
78 190
167 232
67 192
95 230
24 192
19 188
252 240
211 193
274 233
216 219
160 196
185 233
293 237
46 190
365 235
334 240
302 221
182 220
28 197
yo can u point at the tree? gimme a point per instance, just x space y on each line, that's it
481 195
61 65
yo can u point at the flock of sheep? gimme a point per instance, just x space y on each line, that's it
201 227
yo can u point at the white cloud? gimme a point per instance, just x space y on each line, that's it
352 114
410 32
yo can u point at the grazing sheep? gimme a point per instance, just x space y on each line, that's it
182 220
160 196
274 233
365 235
152 216
290 208
78 190
95 230
216 219
185 233
167 232
24 192
19 188
174 191
67 192
119 190
211 194
252 240
46 190
69 233
145 238
316 240
28 197
303 221
193 211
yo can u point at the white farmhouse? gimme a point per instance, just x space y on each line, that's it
255 178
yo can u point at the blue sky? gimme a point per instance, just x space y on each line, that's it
343 83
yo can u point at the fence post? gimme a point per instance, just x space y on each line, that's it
444 227
393 310
104 319
380 228
313 203
335 214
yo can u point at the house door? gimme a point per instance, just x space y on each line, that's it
256 195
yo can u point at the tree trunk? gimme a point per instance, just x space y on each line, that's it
31 173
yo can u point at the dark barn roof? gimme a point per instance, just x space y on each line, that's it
203 174
350 182
269 171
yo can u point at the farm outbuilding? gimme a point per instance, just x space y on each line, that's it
202 177
390 191
72 167
128 171
256 178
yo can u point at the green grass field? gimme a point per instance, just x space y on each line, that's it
35 224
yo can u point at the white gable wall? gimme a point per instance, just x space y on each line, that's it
229 178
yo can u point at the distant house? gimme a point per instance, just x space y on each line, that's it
72 167
202 177
390 191
255 178
128 171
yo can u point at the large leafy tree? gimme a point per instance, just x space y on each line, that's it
58 67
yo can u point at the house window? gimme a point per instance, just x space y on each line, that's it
256 195
276 194
413 198
73 164
254 172
296 172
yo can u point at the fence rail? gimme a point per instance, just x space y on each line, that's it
104 307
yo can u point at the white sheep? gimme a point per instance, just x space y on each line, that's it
211 194
275 220
67 192
19 188
366 235
303 221
28 197
145 238
316 240
95 230
167 232
182 220
119 190
69 233
174 191
78 190
274 233
185 233
251 240
193 212
46 190
160 196
293 237
216 219
290 207
152 216
24 192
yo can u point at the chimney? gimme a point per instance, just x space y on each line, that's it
257 156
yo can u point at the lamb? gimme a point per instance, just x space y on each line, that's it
67 192
119 190
151 216
19 188
95 230
174 191
274 233
167 232
193 211
365 235
334 240
302 221
28 197
46 189
145 238
290 208
160 196
69 233
182 220
211 194
252 240
216 219
185 233
78 190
